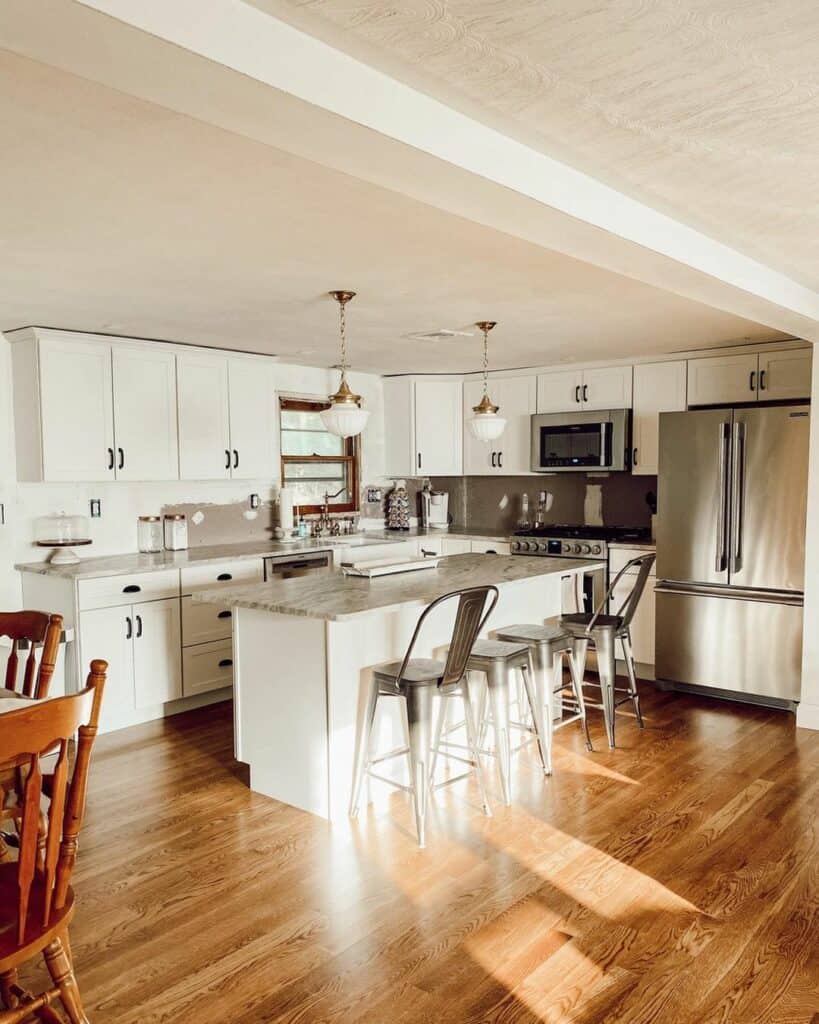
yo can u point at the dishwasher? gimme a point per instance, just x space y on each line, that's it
287 566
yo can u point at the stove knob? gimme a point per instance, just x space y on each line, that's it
532 545
567 549
577 549
542 546
596 549
586 549
516 545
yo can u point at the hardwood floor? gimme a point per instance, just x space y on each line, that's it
675 879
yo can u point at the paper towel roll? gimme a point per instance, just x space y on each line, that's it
286 495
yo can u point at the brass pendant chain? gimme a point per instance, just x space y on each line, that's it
485 361
342 318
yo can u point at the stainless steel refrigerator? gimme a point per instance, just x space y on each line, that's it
732 493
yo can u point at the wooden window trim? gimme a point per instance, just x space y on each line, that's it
351 457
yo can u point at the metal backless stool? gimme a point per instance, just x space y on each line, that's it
418 681
548 644
496 659
602 631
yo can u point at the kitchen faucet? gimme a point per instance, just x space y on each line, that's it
325 523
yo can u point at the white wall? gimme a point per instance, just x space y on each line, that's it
808 714
115 531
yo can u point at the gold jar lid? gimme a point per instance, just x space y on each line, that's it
149 519
175 517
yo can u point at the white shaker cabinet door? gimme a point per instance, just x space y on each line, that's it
658 387
480 457
607 387
251 422
560 391
145 413
784 375
517 397
438 428
719 380
107 633
77 410
204 418
157 652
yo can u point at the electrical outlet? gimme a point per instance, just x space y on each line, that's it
96 508
255 501
373 495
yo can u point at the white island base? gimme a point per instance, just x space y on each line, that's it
301 682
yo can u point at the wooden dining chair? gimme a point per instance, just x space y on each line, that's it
36 899
40 632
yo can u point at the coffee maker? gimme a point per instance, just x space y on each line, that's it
434 509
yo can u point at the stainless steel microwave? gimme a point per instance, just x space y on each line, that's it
581 442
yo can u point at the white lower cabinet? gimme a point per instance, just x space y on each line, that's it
490 547
142 645
207 667
456 546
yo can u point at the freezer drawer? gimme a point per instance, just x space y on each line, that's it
751 647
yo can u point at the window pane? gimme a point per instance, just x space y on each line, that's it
315 471
299 442
293 419
310 481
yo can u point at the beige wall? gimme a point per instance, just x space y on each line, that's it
808 713
115 531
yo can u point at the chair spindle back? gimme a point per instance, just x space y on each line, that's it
39 631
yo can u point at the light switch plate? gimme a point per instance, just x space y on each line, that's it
255 501
96 508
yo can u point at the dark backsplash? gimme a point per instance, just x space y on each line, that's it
494 503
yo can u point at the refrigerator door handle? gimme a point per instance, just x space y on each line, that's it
737 496
721 560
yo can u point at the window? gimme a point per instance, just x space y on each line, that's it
315 462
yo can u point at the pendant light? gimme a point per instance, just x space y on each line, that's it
486 425
345 417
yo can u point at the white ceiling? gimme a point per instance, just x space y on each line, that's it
707 110
123 217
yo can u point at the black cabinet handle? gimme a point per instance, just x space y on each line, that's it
110 458
227 459
585 392
752 381
494 456
129 627
224 576
490 551
419 460
132 588
121 464
762 379
139 626
500 460
235 458
577 394
428 554
225 662
634 456
224 615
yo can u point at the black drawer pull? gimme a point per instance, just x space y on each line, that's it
225 662
223 576
490 551
132 588
224 615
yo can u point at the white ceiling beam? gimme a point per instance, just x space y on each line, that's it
230 64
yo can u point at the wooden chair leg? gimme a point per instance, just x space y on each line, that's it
8 979
62 974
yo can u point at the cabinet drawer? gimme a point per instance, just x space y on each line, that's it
202 623
490 547
108 591
207 667
207 577
618 557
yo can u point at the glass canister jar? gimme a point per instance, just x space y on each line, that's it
176 533
149 534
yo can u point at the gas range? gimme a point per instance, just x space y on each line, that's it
565 541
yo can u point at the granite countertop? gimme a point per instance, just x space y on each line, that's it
337 597
123 565
646 545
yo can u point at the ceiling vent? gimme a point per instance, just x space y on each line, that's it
442 334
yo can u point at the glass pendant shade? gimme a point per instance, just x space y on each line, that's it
344 417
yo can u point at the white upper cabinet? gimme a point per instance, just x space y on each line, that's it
717 380
75 419
145 413
423 433
509 455
438 430
784 375
225 422
204 417
251 419
602 387
658 387
560 391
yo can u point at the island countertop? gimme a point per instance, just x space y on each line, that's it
336 597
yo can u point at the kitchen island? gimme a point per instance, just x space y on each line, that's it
304 650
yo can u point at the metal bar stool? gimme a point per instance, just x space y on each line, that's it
496 659
548 644
417 681
603 631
